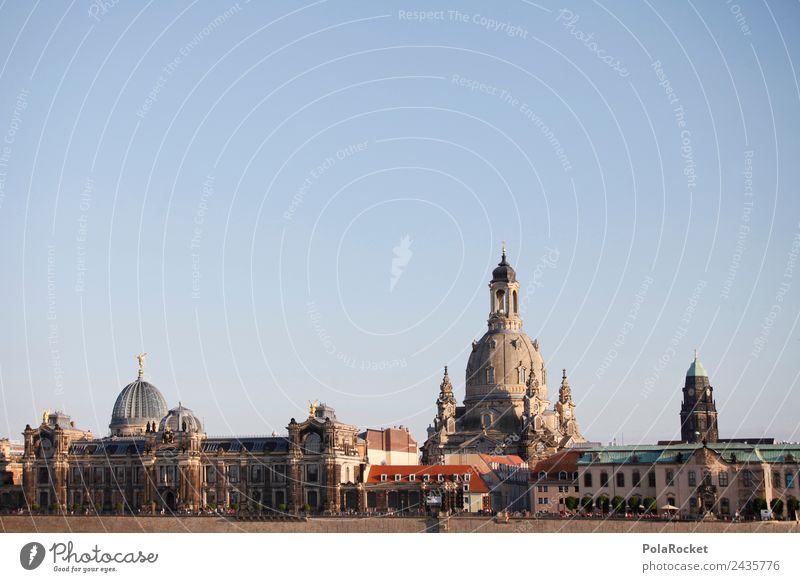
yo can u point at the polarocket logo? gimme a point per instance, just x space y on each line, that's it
31 555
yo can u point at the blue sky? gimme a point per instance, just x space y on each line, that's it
283 202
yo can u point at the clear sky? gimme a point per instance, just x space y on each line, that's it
286 201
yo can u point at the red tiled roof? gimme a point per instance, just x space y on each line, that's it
563 461
476 484
512 460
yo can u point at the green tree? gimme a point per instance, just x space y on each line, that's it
618 503
571 503
634 502
758 504
587 502
777 506
602 503
650 505
792 505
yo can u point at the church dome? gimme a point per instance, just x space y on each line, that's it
504 272
139 403
175 419
504 359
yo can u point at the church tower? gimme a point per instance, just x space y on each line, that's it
698 409
446 406
505 410
504 297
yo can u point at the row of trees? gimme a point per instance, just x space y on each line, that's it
647 505
618 503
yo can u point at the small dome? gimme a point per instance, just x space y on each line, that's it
176 418
696 369
504 272
139 403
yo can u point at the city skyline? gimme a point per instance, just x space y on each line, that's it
286 203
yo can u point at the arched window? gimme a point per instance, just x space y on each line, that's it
451 425
489 375
486 420
500 303
312 444
516 303
562 475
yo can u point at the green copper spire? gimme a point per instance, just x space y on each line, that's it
696 369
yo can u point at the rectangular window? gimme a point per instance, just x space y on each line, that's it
312 473
692 479
119 474
651 479
137 475
789 480
76 475
637 478
279 473
603 479
776 479
620 479
587 479
723 478
233 473
211 474
256 474
98 475
747 478
670 477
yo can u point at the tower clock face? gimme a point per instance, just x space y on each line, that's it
691 392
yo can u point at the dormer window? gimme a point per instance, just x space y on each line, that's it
440 477
426 478
383 476
412 477
398 477
467 476
455 476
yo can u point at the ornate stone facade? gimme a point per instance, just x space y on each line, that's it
506 408
171 464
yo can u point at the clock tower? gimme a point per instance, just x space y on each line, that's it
698 409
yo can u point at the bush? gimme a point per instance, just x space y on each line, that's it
792 505
634 502
602 503
777 506
650 505
306 507
587 503
758 504
282 507
618 503
571 503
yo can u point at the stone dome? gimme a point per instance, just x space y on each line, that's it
175 418
501 363
139 403
504 272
